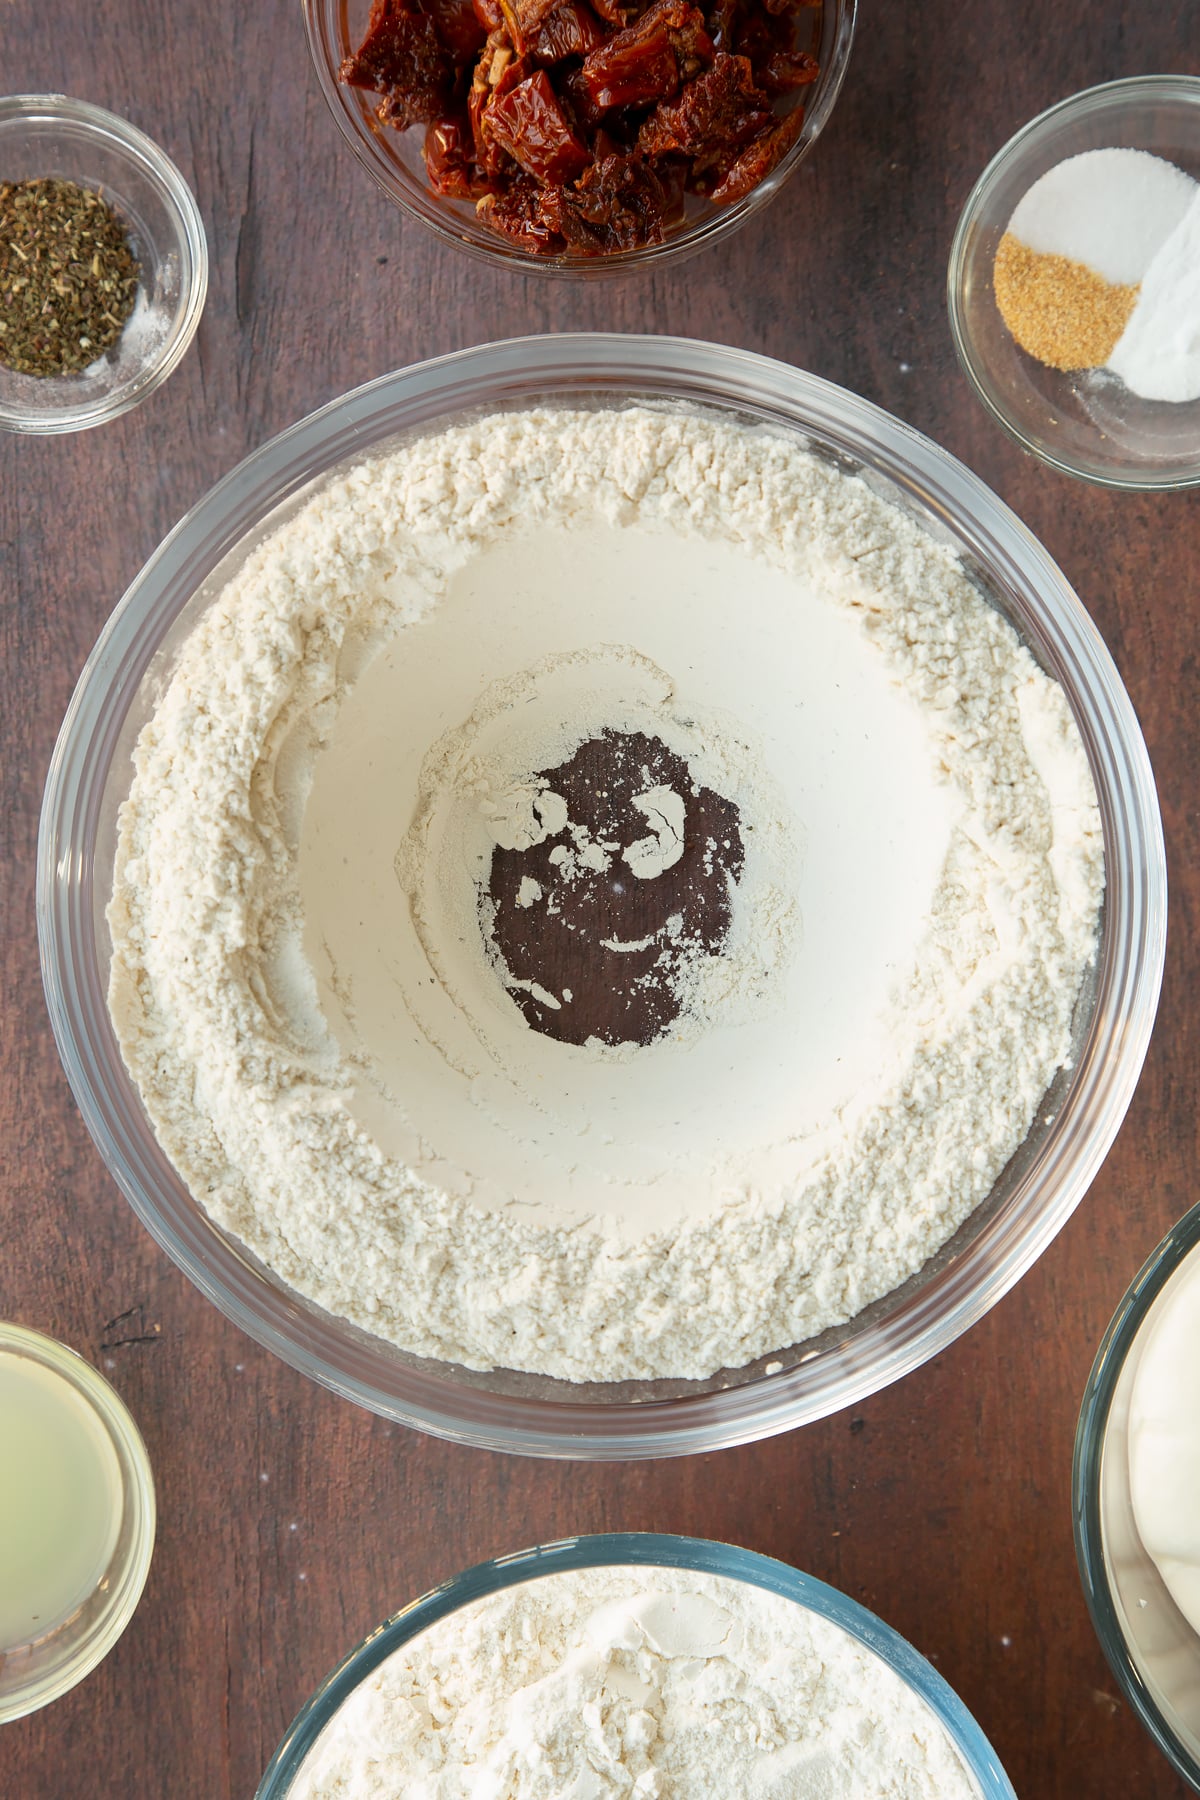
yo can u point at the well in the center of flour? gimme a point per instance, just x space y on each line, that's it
459 742
600 924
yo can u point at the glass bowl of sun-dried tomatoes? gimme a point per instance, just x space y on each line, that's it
580 136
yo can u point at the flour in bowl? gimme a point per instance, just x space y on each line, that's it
601 894
651 1683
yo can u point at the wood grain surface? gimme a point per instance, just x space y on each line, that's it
290 1521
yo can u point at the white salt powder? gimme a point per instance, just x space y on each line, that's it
1112 210
1158 353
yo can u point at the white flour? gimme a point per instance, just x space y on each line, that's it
302 983
637 1683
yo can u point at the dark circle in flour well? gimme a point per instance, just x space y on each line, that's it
598 928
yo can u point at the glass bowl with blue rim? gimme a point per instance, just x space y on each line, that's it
641 1553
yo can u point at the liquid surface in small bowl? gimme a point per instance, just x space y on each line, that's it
76 1519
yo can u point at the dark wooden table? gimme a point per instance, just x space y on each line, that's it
290 1522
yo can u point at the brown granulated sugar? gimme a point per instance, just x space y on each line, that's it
1058 310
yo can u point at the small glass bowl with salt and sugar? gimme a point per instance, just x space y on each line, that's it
1074 284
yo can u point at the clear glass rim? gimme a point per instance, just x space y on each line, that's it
155 166
639 1549
1090 1434
521 370
1110 94
321 17
49 1683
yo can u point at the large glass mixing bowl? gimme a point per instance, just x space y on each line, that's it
90 775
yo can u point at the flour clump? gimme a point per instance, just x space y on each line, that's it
655 1684
601 893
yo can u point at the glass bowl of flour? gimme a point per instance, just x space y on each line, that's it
1137 1465
635 1663
1074 284
602 897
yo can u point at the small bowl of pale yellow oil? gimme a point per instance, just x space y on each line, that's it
76 1519
1074 284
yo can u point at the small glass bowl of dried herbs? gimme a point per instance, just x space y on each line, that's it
103 265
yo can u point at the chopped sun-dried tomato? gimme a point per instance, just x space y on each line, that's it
577 126
528 122
590 119
572 29
516 213
631 74
458 26
648 61
779 67
403 58
449 152
525 19
720 109
758 160
721 18
622 203
496 72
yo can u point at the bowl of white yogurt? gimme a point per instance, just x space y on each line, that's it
635 1663
1135 1482
602 897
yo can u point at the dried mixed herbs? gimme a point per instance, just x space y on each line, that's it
68 279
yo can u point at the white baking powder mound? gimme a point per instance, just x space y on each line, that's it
646 1683
366 878
1112 210
1158 353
